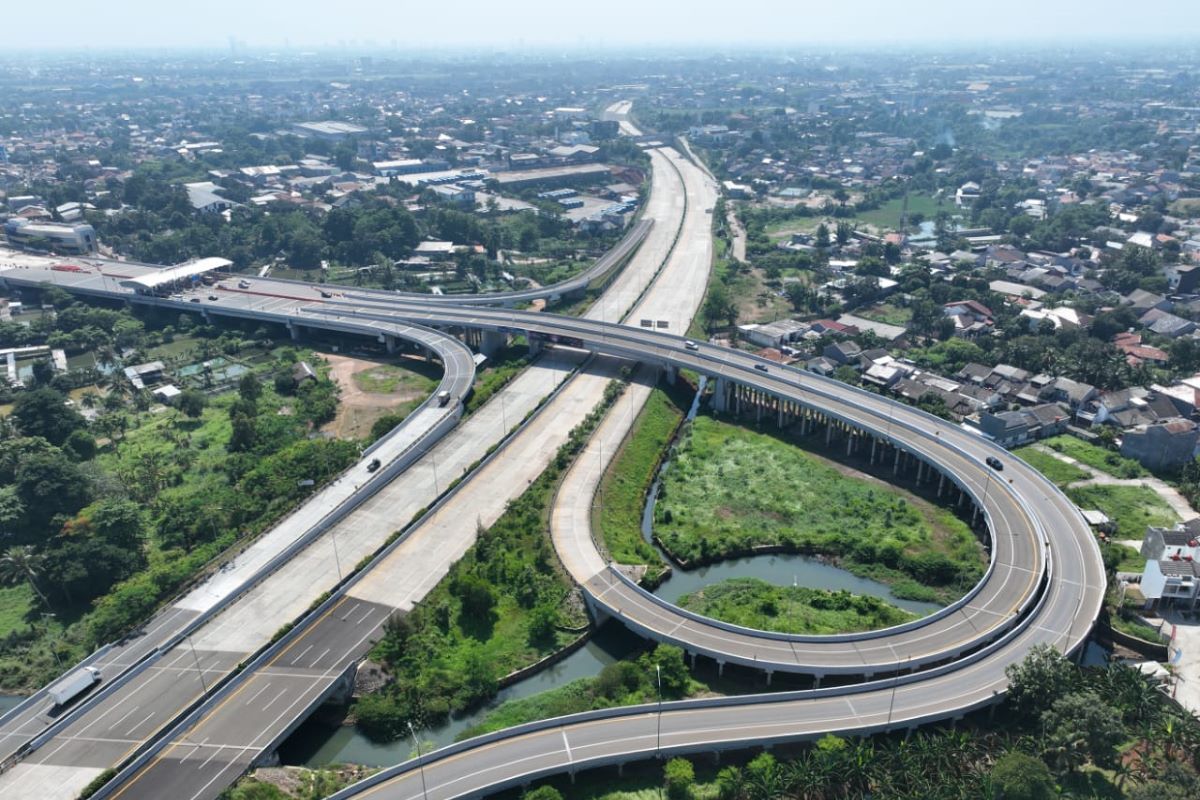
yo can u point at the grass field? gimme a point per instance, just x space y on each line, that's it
887 313
1131 559
623 489
1132 508
498 371
1186 206
754 603
886 217
730 489
1096 457
1060 472
389 378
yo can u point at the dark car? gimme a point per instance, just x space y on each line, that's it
374 465
994 463
761 367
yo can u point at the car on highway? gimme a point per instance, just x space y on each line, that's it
374 465
194 300
994 463
443 397
761 367
243 284
213 297
690 345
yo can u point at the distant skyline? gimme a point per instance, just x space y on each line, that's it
540 24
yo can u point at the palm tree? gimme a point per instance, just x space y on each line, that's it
21 563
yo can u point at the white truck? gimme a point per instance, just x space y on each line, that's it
74 685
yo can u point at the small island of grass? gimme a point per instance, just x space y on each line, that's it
754 603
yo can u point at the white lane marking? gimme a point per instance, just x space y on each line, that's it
346 616
210 758
122 719
317 660
567 745
254 696
140 724
302 653
282 692
195 750
365 616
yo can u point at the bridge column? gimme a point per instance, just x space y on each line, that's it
828 433
941 483
296 331
491 342
671 374
721 395
874 444
535 345
896 463
389 342
849 443
779 422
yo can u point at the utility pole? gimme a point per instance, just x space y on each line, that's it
420 760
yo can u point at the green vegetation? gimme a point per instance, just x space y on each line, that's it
499 609
413 376
1097 457
618 518
296 783
730 489
621 683
754 603
1060 472
1130 559
1101 733
1134 628
1131 508
107 517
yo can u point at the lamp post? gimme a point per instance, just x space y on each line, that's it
196 658
420 760
658 733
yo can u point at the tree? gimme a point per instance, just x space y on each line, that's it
44 412
1039 679
250 388
679 776
21 563
822 238
477 598
1017 776
1080 725
543 793
81 445
191 402
50 484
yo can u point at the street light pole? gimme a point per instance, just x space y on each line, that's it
420 760
196 658
658 734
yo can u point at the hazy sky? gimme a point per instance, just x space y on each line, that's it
600 23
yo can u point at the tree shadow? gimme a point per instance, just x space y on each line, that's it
478 626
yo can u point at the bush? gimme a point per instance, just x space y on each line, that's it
543 793
1016 776
680 777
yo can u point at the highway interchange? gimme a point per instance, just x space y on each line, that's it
1044 584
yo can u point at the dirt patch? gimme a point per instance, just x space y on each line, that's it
358 409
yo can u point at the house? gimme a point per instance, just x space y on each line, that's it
892 334
971 317
141 374
1142 301
1181 541
842 353
1071 393
1012 428
1162 445
303 371
205 198
1171 581
1166 324
773 334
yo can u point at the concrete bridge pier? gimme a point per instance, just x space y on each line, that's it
535 345
671 374
941 484
720 401
491 342
296 331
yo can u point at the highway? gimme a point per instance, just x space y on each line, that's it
1039 539
651 285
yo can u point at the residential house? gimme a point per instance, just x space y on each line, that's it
1013 428
1162 445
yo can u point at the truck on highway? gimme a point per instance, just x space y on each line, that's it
73 685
